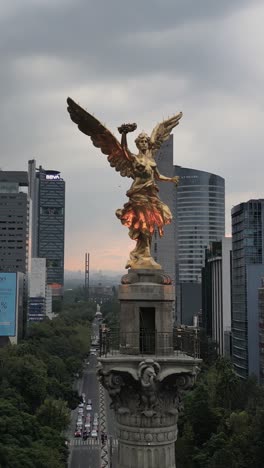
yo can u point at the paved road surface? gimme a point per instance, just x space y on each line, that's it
86 453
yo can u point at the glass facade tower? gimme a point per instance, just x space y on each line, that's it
200 219
163 249
47 190
248 259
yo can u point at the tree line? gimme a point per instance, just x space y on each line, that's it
223 421
36 389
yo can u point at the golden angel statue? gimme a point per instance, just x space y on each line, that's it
144 212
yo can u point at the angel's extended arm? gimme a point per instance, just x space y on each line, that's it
159 176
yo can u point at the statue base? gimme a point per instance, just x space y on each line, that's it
143 263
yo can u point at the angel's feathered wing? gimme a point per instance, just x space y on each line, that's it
162 131
101 137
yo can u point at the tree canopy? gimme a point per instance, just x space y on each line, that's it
223 421
36 388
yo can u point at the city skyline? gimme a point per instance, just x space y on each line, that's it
143 65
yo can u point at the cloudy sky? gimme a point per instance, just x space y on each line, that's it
131 61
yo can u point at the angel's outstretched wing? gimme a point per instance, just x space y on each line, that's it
102 138
162 131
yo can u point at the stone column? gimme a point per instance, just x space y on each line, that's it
146 405
144 374
146 443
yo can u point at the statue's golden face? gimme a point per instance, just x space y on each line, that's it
142 142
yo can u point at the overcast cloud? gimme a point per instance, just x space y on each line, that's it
131 61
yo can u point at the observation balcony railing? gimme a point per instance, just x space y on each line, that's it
147 342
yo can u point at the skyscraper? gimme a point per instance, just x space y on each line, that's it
247 271
14 221
14 253
261 331
200 219
198 208
216 288
163 250
47 191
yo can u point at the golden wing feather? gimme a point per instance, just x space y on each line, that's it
101 137
163 130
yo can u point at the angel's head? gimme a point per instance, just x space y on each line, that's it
142 141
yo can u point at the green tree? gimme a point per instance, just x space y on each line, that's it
54 413
29 377
198 412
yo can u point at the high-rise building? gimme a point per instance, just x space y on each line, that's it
38 300
247 271
47 191
14 253
163 250
216 297
198 208
200 219
261 331
14 221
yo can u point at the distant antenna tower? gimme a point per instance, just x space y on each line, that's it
86 275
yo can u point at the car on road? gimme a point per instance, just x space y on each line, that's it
80 410
88 407
87 425
94 433
80 405
78 433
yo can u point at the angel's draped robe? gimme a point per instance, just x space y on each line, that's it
145 211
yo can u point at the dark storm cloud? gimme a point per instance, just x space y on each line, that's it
123 60
66 29
104 35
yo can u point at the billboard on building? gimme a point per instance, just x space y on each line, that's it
8 300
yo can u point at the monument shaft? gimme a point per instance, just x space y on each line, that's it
145 375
